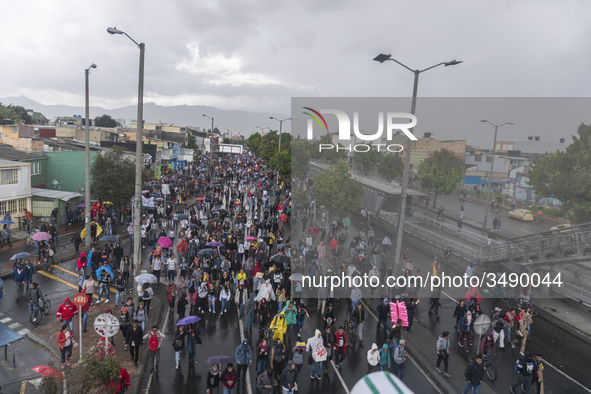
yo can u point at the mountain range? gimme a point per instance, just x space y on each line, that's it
239 122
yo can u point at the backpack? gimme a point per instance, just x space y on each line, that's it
154 342
146 295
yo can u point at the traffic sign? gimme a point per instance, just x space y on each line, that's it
79 299
106 325
482 324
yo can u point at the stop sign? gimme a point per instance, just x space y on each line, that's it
79 299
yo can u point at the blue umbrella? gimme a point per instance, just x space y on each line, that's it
207 251
22 255
192 225
214 244
221 359
188 320
6 222
108 238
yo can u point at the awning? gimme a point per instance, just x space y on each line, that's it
64 196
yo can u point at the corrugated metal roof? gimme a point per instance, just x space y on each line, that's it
64 196
7 152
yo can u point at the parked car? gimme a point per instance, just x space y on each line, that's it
522 214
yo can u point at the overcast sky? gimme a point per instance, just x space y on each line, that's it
256 55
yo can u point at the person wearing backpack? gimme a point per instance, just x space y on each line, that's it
443 352
140 316
154 339
147 294
525 369
178 344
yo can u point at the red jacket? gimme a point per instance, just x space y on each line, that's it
338 337
88 304
61 338
124 381
66 312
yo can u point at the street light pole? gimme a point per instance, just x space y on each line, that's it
210 140
492 163
137 217
402 208
280 129
87 239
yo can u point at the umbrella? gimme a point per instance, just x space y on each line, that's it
145 191
266 236
45 370
207 251
284 246
272 219
22 255
201 198
108 238
6 222
221 359
316 231
41 236
145 278
165 242
81 206
214 244
188 320
107 203
280 258
192 225
296 276
182 216
251 238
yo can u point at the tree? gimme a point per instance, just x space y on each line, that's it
566 176
16 113
191 141
282 162
267 151
254 142
441 172
330 155
226 140
298 195
92 372
300 158
105 121
367 160
113 177
390 167
337 190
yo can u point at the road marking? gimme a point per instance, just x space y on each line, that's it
340 377
23 386
5 320
241 328
13 326
64 282
163 330
371 312
24 331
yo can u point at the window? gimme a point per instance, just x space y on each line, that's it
477 157
9 176
489 159
158 127
35 168
14 206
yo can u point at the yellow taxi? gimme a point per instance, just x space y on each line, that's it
522 214
563 228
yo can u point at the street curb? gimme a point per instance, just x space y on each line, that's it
139 372
555 320
41 341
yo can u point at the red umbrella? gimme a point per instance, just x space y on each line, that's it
165 242
182 246
316 231
201 199
48 371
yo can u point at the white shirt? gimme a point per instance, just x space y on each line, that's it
171 264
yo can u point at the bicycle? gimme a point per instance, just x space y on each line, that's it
489 368
43 307
539 219
523 304
350 330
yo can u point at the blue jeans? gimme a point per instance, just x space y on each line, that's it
170 275
108 290
249 317
354 304
131 237
280 306
316 368
399 370
300 323
261 366
144 241
224 306
290 329
385 321
227 390
84 319
240 310
191 344
508 333
211 303
474 387
117 294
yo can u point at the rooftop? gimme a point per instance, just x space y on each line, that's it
8 152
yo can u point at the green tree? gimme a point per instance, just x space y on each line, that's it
254 142
367 160
105 121
390 167
191 141
330 155
267 151
299 195
93 372
113 177
566 176
300 158
337 190
226 140
441 173
282 162
16 113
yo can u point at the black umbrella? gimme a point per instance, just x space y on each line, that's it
272 219
221 359
280 258
284 246
207 251
265 237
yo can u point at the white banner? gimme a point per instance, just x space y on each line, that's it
148 202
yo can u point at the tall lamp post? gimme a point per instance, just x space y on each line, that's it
211 139
229 134
280 127
137 217
402 209
492 163
87 239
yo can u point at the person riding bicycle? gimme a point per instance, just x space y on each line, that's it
386 243
539 214
35 296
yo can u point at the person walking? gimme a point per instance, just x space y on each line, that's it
105 282
524 368
291 320
474 373
154 339
66 312
443 353
289 378
19 278
399 356
459 312
340 347
147 294
520 336
120 285
5 236
229 379
466 330
178 344
214 378
193 338
262 356
315 347
359 319
249 308
65 340
243 359
373 358
384 357
383 315
460 224
265 382
135 341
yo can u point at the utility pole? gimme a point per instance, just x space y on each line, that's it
87 239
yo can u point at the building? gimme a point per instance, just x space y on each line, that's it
532 146
160 126
38 117
38 162
15 189
66 170
478 169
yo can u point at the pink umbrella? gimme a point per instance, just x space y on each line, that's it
41 236
165 242
251 238
145 191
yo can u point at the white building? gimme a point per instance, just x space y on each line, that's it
15 189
